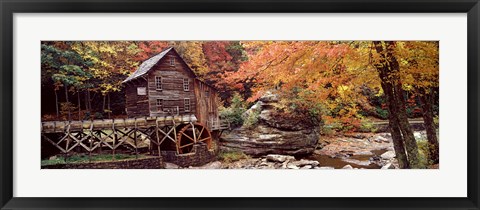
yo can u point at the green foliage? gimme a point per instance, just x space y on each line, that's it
332 128
327 130
315 113
296 101
382 113
367 126
234 112
63 67
251 119
423 153
436 120
86 159
237 51
232 156
98 115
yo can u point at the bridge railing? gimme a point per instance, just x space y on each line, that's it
140 122
218 124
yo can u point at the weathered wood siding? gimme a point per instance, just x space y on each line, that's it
207 102
136 105
203 98
172 93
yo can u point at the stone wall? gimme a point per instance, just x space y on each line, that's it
144 163
200 156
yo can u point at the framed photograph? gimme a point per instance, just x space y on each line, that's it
239 105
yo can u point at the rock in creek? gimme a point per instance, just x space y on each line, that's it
380 139
279 158
212 165
292 166
304 162
388 166
273 161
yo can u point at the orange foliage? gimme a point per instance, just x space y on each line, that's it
330 73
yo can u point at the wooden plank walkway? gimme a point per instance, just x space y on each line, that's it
144 122
91 135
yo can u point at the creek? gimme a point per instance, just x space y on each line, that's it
367 161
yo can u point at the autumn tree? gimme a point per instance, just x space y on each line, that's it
65 67
148 49
309 74
224 57
420 73
110 63
387 65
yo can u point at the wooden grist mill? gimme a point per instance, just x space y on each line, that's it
170 113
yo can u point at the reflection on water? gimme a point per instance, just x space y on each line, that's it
339 163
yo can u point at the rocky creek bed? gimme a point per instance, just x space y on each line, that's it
350 151
275 131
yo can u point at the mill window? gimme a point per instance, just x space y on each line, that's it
186 84
158 83
159 104
172 61
141 91
186 104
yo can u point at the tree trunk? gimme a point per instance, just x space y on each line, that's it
79 108
109 110
427 107
404 142
56 103
86 102
407 132
68 103
89 103
394 126
104 102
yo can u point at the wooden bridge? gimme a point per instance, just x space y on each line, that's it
177 133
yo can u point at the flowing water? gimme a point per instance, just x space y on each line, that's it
338 162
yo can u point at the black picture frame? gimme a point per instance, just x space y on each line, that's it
9 7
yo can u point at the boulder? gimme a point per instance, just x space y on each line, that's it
357 162
212 165
388 166
347 167
292 166
279 158
276 131
380 139
304 162
388 155
269 97
306 167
